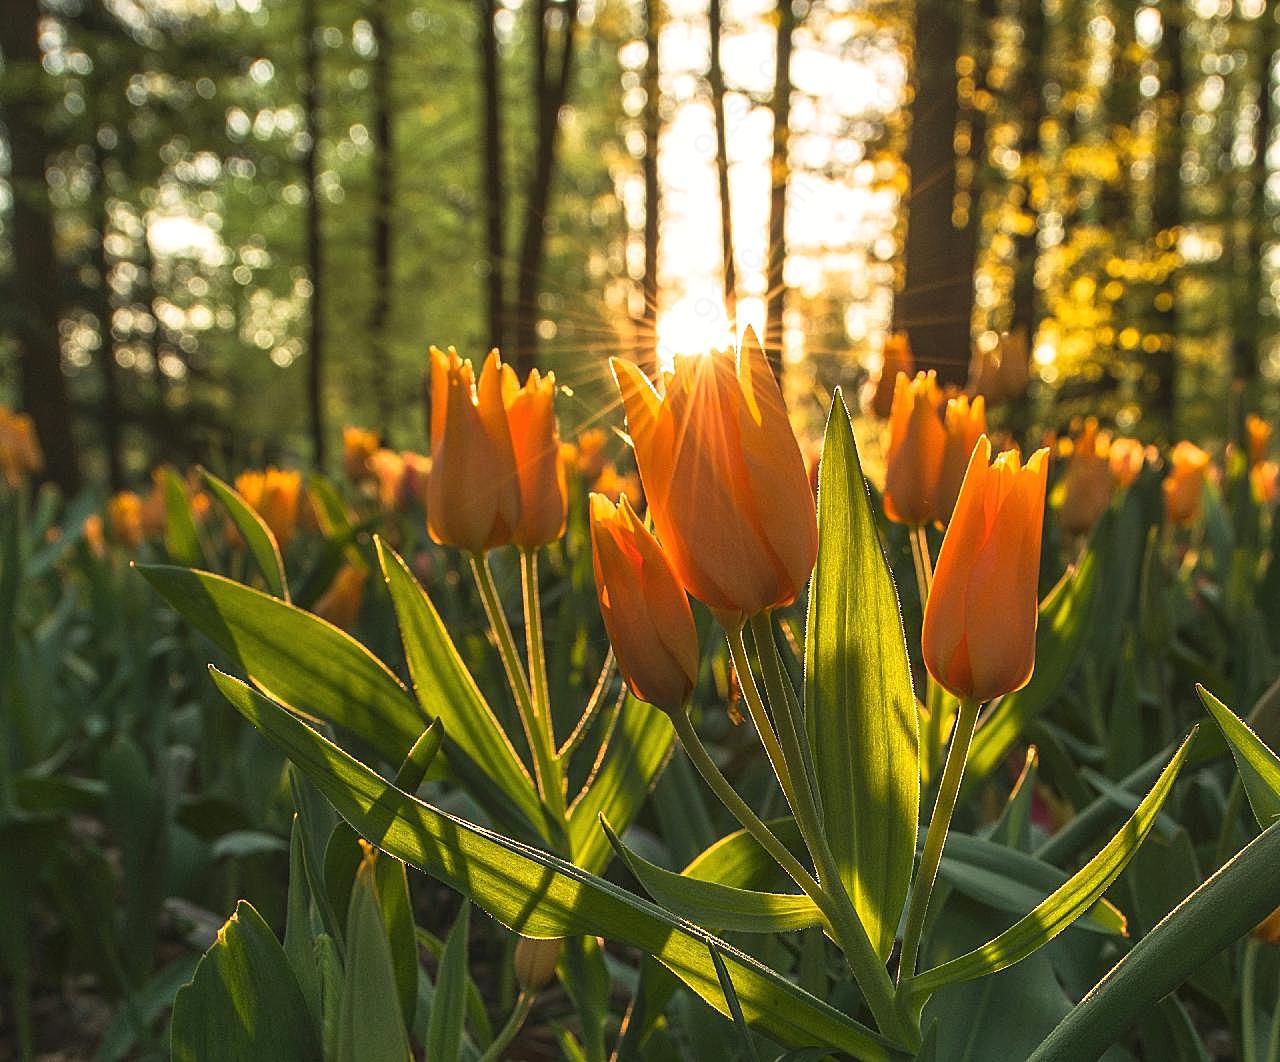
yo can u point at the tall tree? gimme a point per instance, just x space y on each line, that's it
314 238
715 79
935 306
552 70
780 172
383 141
1163 362
652 189
495 223
36 300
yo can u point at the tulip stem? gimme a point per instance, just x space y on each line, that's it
524 1004
922 562
546 771
939 824
592 709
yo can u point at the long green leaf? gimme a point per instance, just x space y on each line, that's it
1068 903
243 1002
538 895
449 1007
181 540
446 690
257 535
1234 900
638 750
860 708
715 906
1062 631
1259 767
298 659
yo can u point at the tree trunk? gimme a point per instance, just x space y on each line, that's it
648 353
36 289
715 78
935 306
780 172
383 203
550 95
491 88
110 409
1031 99
1163 364
315 263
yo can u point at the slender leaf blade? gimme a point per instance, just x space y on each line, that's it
449 1007
257 535
1259 767
181 539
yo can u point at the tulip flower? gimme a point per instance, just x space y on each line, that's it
535 442
124 518
589 457
1088 482
917 440
724 479
1003 371
1126 458
1265 480
358 446
340 603
1268 930
979 638
646 612
897 359
1184 485
1257 433
966 423
413 484
535 961
274 495
94 536
20 452
473 491
387 469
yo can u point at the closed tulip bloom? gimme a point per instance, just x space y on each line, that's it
20 452
1257 433
387 469
274 496
340 603
1126 458
897 359
1184 485
724 479
1088 482
413 484
917 441
646 612
1264 478
966 423
535 441
473 492
124 518
358 446
589 456
1002 372
979 638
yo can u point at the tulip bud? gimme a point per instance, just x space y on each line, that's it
473 492
646 612
1001 372
124 518
535 962
724 479
93 535
917 440
979 639
1264 477
386 467
589 457
1184 485
1087 484
358 446
340 603
535 441
966 423
1126 458
20 452
897 359
1257 433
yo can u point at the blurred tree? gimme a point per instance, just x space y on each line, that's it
779 178
494 193
315 240
383 146
715 81
647 354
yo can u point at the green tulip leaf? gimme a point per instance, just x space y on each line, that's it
1259 767
258 537
449 1005
181 539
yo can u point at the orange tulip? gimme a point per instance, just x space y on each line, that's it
1184 485
1265 479
358 446
1268 930
20 452
124 518
340 603
273 495
589 456
917 441
473 491
1088 482
724 479
1257 433
1002 372
93 535
979 638
897 359
1126 459
646 612
413 484
613 484
966 423
155 508
387 469
535 441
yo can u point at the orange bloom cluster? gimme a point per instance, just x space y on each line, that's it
1097 465
1264 474
20 453
497 476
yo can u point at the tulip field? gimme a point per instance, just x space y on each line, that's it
680 736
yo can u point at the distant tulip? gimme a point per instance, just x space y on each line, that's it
1268 930
358 446
155 509
20 452
724 479
1002 372
387 469
897 359
535 441
1088 481
917 441
94 537
1126 458
124 519
589 456
613 484
979 638
1265 479
473 491
1184 485
966 423
413 484
274 495
1257 433
646 612
340 603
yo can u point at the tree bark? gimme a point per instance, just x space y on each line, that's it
1031 98
1163 364
715 79
383 204
935 306
314 238
110 409
780 172
652 191
551 92
37 302
491 87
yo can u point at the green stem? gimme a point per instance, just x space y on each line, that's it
922 563
524 1004
759 716
545 769
939 824
1248 1001
1273 1035
592 709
